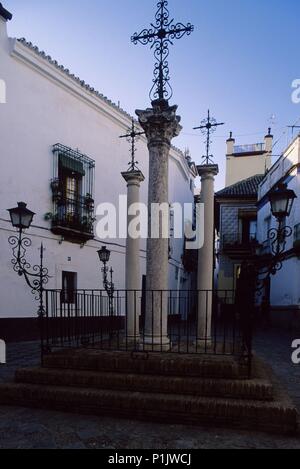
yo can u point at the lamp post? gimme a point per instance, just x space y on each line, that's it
256 272
104 256
281 201
37 276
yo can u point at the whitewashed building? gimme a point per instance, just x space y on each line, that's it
59 141
285 285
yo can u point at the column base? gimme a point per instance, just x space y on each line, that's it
203 345
132 339
130 343
156 344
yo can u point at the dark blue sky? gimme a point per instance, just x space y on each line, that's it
240 61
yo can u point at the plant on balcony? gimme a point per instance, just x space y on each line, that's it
89 202
56 190
48 216
87 222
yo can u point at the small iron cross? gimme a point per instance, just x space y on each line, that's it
207 127
131 138
160 36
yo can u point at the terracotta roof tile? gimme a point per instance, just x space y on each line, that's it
246 188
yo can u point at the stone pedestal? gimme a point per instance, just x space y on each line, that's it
133 274
205 283
160 124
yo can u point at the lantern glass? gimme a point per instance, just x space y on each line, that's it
282 201
20 216
104 255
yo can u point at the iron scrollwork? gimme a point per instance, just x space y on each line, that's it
278 241
208 126
162 34
109 287
132 136
37 276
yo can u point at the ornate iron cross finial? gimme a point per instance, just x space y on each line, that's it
160 36
207 127
131 138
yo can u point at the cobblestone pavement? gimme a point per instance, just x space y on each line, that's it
26 428
275 347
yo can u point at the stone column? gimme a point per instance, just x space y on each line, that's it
205 282
161 125
133 275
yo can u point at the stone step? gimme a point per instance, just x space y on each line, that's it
255 389
165 364
278 416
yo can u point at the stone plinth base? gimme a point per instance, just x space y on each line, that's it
160 387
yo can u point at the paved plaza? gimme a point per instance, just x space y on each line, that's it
27 428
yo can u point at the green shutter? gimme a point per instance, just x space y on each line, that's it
71 164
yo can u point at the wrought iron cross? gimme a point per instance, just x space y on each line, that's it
160 36
131 138
207 127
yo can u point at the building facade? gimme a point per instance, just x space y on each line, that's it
244 161
62 155
285 285
236 211
237 228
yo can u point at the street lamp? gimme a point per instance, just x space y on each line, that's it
257 270
20 216
104 256
282 201
36 277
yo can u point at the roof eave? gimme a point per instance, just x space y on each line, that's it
5 13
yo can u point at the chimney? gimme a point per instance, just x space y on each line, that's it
230 145
269 141
4 17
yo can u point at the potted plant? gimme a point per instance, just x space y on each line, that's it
89 202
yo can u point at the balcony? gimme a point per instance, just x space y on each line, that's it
72 195
239 244
74 219
249 149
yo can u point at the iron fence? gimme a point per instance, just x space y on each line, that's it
197 322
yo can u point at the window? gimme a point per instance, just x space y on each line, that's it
268 221
237 273
72 189
297 233
249 230
69 287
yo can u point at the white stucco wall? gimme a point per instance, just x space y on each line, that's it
45 106
243 167
285 285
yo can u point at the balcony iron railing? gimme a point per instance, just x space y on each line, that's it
239 240
77 215
252 148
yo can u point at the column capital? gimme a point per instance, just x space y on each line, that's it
208 171
133 177
160 123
